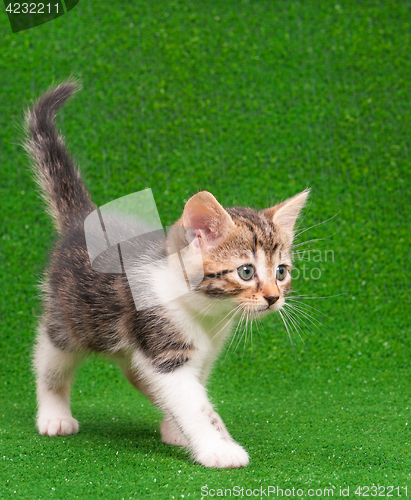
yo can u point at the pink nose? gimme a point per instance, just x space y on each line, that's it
271 299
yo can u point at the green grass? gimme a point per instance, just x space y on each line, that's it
254 101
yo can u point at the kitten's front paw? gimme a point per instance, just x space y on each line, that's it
224 455
171 435
57 426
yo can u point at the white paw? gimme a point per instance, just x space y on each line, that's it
171 435
57 426
223 455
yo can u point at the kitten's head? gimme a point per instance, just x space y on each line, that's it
246 253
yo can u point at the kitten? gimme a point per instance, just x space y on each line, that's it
165 351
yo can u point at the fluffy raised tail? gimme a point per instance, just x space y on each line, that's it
56 173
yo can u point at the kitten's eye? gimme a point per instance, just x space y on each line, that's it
281 273
246 272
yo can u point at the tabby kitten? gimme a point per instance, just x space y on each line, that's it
165 351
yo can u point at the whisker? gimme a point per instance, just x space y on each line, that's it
244 329
258 328
311 318
286 327
221 329
313 298
307 316
295 323
205 309
209 306
221 320
235 332
245 337
305 324
314 309
238 332
313 323
241 331
251 334
312 241
315 225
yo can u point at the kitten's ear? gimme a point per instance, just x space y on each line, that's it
206 219
285 214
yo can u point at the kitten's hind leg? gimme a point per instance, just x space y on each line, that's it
55 370
170 434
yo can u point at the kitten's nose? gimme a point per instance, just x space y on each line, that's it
271 299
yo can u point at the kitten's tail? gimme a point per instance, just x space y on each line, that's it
55 172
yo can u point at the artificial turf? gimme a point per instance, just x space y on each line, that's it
254 101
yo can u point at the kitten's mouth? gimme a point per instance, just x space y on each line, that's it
263 310
271 308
